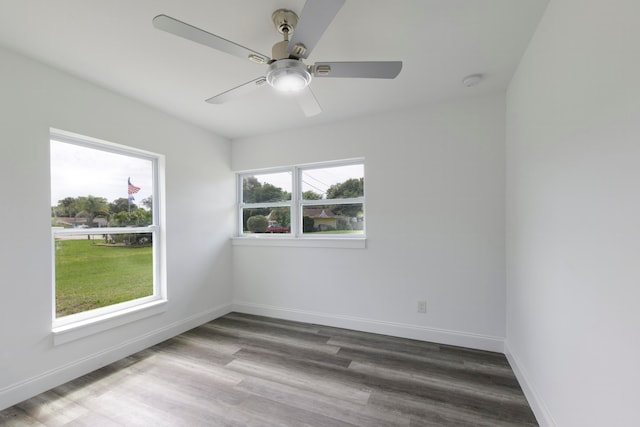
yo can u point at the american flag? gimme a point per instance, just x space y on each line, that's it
132 188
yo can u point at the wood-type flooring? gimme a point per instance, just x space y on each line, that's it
242 370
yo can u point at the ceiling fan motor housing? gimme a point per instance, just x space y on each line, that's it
279 50
285 21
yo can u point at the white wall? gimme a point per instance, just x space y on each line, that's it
573 215
200 194
435 221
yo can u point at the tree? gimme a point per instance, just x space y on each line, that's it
148 203
121 205
91 207
138 217
311 195
253 191
250 186
307 224
351 188
65 208
281 216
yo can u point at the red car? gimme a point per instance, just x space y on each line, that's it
278 230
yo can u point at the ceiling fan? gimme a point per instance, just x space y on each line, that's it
286 70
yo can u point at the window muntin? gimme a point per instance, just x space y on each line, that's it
105 231
325 200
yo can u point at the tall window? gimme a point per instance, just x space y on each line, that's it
304 201
105 227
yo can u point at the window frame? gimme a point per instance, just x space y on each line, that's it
65 328
262 205
297 204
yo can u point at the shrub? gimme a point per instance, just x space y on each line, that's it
257 224
307 224
343 224
132 239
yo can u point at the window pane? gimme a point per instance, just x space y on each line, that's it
338 182
98 270
96 188
272 187
97 185
266 220
333 219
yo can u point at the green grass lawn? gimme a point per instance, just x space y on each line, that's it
91 276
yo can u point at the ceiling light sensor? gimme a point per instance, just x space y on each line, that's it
472 80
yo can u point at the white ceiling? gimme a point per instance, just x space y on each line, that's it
113 43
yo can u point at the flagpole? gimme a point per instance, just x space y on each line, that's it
131 190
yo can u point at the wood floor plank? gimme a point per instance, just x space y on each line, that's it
269 330
53 410
371 340
278 323
301 380
444 386
427 412
16 417
242 370
246 337
474 381
433 367
274 413
333 406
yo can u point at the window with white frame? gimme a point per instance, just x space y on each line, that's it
319 200
105 228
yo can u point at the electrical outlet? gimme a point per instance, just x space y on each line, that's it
422 306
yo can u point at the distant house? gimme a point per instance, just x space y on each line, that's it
323 219
78 222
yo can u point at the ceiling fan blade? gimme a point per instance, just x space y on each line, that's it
237 91
369 70
189 32
308 102
314 19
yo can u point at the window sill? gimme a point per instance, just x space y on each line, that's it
300 242
76 330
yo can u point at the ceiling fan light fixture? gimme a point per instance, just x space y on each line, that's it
288 75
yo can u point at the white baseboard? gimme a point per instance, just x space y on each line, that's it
537 404
30 387
404 330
